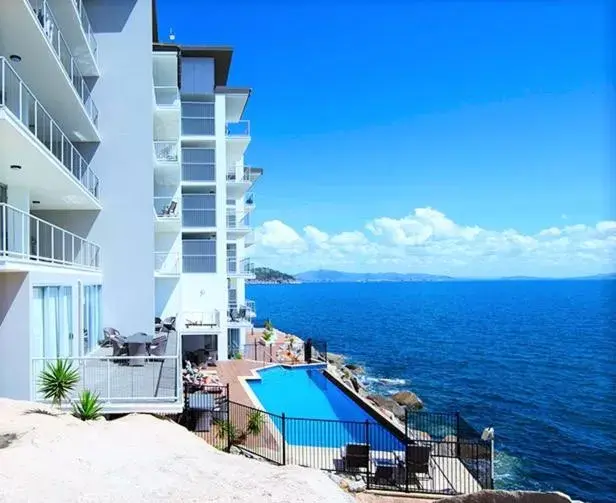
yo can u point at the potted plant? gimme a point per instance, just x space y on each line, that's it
268 333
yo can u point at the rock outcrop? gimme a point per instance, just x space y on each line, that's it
53 457
408 399
388 404
509 497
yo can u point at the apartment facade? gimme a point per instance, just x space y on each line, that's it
94 138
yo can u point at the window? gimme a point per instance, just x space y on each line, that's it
92 329
52 322
198 164
198 254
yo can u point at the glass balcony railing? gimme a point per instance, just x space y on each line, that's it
242 267
166 151
16 97
86 26
50 28
240 128
167 263
26 237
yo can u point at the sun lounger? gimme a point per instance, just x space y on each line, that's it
159 345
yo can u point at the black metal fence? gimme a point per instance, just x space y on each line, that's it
431 453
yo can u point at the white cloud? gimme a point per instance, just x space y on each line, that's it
428 241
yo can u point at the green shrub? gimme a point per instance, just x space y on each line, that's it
57 381
88 407
254 425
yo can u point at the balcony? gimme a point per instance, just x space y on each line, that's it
166 152
167 264
240 178
78 33
125 383
30 30
167 214
238 139
240 316
238 223
167 98
49 165
249 202
199 322
27 239
240 268
249 239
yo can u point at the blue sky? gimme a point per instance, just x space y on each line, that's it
495 114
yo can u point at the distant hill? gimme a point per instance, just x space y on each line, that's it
267 275
327 276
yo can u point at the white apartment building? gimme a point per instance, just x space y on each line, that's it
123 197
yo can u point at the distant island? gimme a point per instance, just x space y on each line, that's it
265 275
328 276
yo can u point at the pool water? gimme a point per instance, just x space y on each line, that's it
317 412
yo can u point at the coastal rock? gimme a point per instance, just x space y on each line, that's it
388 404
335 359
356 369
509 497
408 399
356 486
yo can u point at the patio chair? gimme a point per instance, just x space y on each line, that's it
108 333
169 323
159 345
242 313
211 359
355 457
417 461
119 348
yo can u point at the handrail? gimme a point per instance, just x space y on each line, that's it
50 28
24 241
86 26
40 124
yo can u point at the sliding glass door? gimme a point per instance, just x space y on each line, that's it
92 329
52 321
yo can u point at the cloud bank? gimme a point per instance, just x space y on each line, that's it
427 241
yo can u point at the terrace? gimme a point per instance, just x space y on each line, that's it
126 383
426 453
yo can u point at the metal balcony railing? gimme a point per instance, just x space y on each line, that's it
167 263
199 319
166 151
237 220
19 100
240 128
242 267
26 237
86 26
51 30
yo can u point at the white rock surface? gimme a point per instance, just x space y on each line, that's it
139 458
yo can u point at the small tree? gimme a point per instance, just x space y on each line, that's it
268 331
254 424
57 381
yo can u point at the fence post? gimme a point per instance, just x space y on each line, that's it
284 439
229 426
368 444
255 343
458 434
406 443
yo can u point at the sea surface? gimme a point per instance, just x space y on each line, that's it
534 359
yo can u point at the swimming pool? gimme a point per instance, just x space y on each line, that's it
317 412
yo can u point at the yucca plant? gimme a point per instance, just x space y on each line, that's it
254 424
57 381
226 430
88 406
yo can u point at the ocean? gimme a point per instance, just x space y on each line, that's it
534 359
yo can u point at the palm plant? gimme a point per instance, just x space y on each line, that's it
254 424
57 381
226 430
88 407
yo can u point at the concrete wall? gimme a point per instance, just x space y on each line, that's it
123 161
15 335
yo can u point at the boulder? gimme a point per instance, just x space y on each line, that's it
408 399
356 486
335 359
388 404
356 369
509 497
